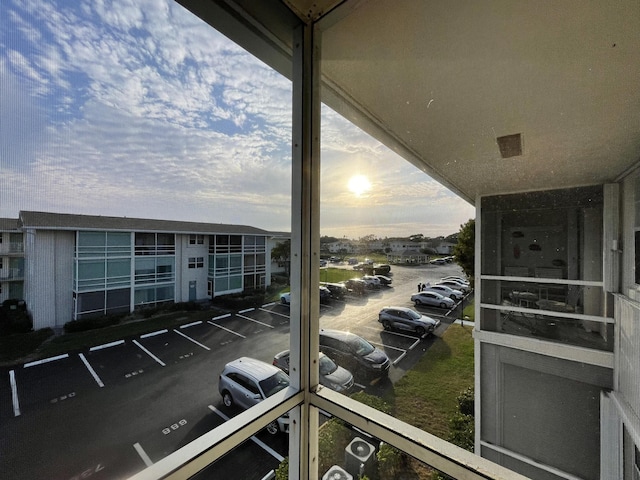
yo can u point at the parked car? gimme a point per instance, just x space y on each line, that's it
456 278
325 296
323 262
285 298
356 286
372 281
382 269
354 353
245 382
338 290
432 298
352 261
456 285
446 291
384 280
332 375
437 261
402 318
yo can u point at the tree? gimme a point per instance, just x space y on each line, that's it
282 253
464 250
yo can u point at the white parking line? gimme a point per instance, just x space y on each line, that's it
191 340
226 315
91 371
149 353
14 394
256 321
46 360
153 334
387 346
225 329
397 360
274 313
143 455
260 443
268 304
390 332
246 310
191 324
106 345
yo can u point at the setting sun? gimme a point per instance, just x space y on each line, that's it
359 184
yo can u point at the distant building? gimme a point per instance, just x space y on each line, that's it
342 246
445 248
70 267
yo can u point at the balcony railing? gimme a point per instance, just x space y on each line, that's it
12 274
567 311
12 248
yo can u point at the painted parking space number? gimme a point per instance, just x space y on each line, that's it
88 472
62 398
174 427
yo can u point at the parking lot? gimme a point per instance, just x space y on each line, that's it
162 387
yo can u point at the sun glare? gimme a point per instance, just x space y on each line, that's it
359 185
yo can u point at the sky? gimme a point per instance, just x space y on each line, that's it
139 109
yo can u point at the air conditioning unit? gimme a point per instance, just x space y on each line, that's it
360 458
336 473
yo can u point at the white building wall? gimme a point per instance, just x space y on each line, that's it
184 274
49 277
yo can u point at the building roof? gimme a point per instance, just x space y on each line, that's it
9 224
66 221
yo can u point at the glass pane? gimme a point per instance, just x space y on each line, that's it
146 126
387 229
348 453
551 234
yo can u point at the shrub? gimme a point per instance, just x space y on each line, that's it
333 438
14 317
390 462
85 324
466 402
282 472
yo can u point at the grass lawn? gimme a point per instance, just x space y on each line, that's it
337 275
426 396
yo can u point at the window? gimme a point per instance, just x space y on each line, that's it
155 244
196 262
196 239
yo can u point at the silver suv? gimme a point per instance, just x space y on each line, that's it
403 318
246 381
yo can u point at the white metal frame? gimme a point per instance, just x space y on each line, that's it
304 399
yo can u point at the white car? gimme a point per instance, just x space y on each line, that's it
433 299
457 279
372 281
452 293
285 298
455 285
245 382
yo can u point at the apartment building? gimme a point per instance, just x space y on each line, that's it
71 267
11 260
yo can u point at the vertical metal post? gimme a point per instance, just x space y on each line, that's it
305 249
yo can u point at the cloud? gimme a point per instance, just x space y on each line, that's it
138 108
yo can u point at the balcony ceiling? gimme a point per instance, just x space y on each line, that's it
439 81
